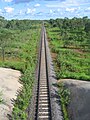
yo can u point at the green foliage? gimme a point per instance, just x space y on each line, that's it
18 114
73 32
20 44
29 56
87 27
72 65
18 24
69 40
71 44
64 94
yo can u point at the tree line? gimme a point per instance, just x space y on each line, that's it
73 30
18 24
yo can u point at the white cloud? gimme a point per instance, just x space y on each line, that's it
58 10
37 5
78 15
39 14
9 9
8 0
54 12
71 9
87 9
52 6
0 11
20 12
28 4
30 11
51 11
66 3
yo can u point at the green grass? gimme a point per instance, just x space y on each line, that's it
20 53
71 61
72 64
64 94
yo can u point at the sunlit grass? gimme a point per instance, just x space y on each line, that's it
71 61
20 53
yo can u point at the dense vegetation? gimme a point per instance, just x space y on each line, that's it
64 94
69 40
19 42
70 43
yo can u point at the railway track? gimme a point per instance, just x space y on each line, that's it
45 102
43 106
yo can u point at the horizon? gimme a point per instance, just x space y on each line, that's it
44 10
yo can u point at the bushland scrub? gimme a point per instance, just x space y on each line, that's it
19 41
69 40
64 94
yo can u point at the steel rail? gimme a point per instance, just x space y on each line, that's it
43 105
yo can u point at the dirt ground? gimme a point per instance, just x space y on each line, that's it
9 86
79 107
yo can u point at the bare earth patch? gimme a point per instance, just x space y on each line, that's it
79 107
9 85
54 55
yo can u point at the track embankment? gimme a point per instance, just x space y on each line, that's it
45 103
79 106
9 85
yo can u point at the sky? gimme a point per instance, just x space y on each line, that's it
44 9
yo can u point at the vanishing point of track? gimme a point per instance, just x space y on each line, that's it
43 106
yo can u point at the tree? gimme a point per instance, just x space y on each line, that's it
87 27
